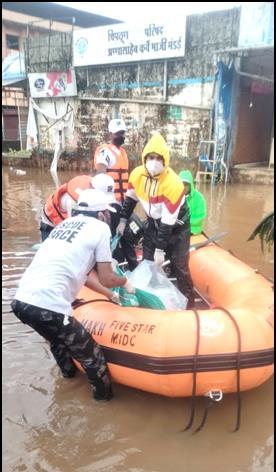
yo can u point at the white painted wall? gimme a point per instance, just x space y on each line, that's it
48 133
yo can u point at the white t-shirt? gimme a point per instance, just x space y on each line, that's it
67 203
107 157
62 263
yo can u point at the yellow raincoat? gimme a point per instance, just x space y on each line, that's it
163 195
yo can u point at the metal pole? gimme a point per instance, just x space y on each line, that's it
19 122
138 78
256 77
87 78
144 102
271 156
72 44
3 126
27 60
49 42
214 163
165 80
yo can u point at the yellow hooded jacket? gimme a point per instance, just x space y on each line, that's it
161 196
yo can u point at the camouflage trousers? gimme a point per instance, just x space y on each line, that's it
68 339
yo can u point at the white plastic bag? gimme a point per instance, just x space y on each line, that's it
149 277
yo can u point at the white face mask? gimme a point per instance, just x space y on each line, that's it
154 167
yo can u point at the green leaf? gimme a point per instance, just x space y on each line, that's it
265 231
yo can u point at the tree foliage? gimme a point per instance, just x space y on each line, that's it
265 231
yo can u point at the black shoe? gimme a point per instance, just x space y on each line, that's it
101 391
69 373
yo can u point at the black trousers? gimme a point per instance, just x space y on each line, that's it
68 339
177 251
126 247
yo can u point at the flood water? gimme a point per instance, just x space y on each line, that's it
51 424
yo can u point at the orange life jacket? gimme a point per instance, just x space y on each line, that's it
81 182
119 171
52 207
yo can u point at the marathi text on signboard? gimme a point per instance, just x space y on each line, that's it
123 43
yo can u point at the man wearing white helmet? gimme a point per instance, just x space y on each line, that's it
59 205
51 283
112 158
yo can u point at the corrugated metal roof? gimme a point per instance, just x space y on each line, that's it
64 14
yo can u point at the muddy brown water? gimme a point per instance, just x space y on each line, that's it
51 424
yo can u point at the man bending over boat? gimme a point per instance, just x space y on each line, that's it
52 281
161 193
59 204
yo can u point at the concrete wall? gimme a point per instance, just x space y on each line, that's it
188 84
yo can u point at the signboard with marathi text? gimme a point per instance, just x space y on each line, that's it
127 43
52 84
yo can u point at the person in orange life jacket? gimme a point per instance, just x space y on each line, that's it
51 283
160 191
68 203
112 159
132 234
60 204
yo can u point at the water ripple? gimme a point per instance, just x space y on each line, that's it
51 424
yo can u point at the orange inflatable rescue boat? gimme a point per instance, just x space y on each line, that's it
227 346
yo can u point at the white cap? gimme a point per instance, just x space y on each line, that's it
93 199
106 184
116 125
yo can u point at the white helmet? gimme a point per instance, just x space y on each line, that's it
105 183
116 125
94 200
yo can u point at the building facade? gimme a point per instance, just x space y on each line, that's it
21 22
213 100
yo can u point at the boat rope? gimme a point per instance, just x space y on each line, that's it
193 402
213 397
80 302
238 367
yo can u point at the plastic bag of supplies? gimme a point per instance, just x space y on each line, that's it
152 280
140 298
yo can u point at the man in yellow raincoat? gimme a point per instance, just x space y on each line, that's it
160 191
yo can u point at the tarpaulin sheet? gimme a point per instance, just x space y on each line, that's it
13 69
